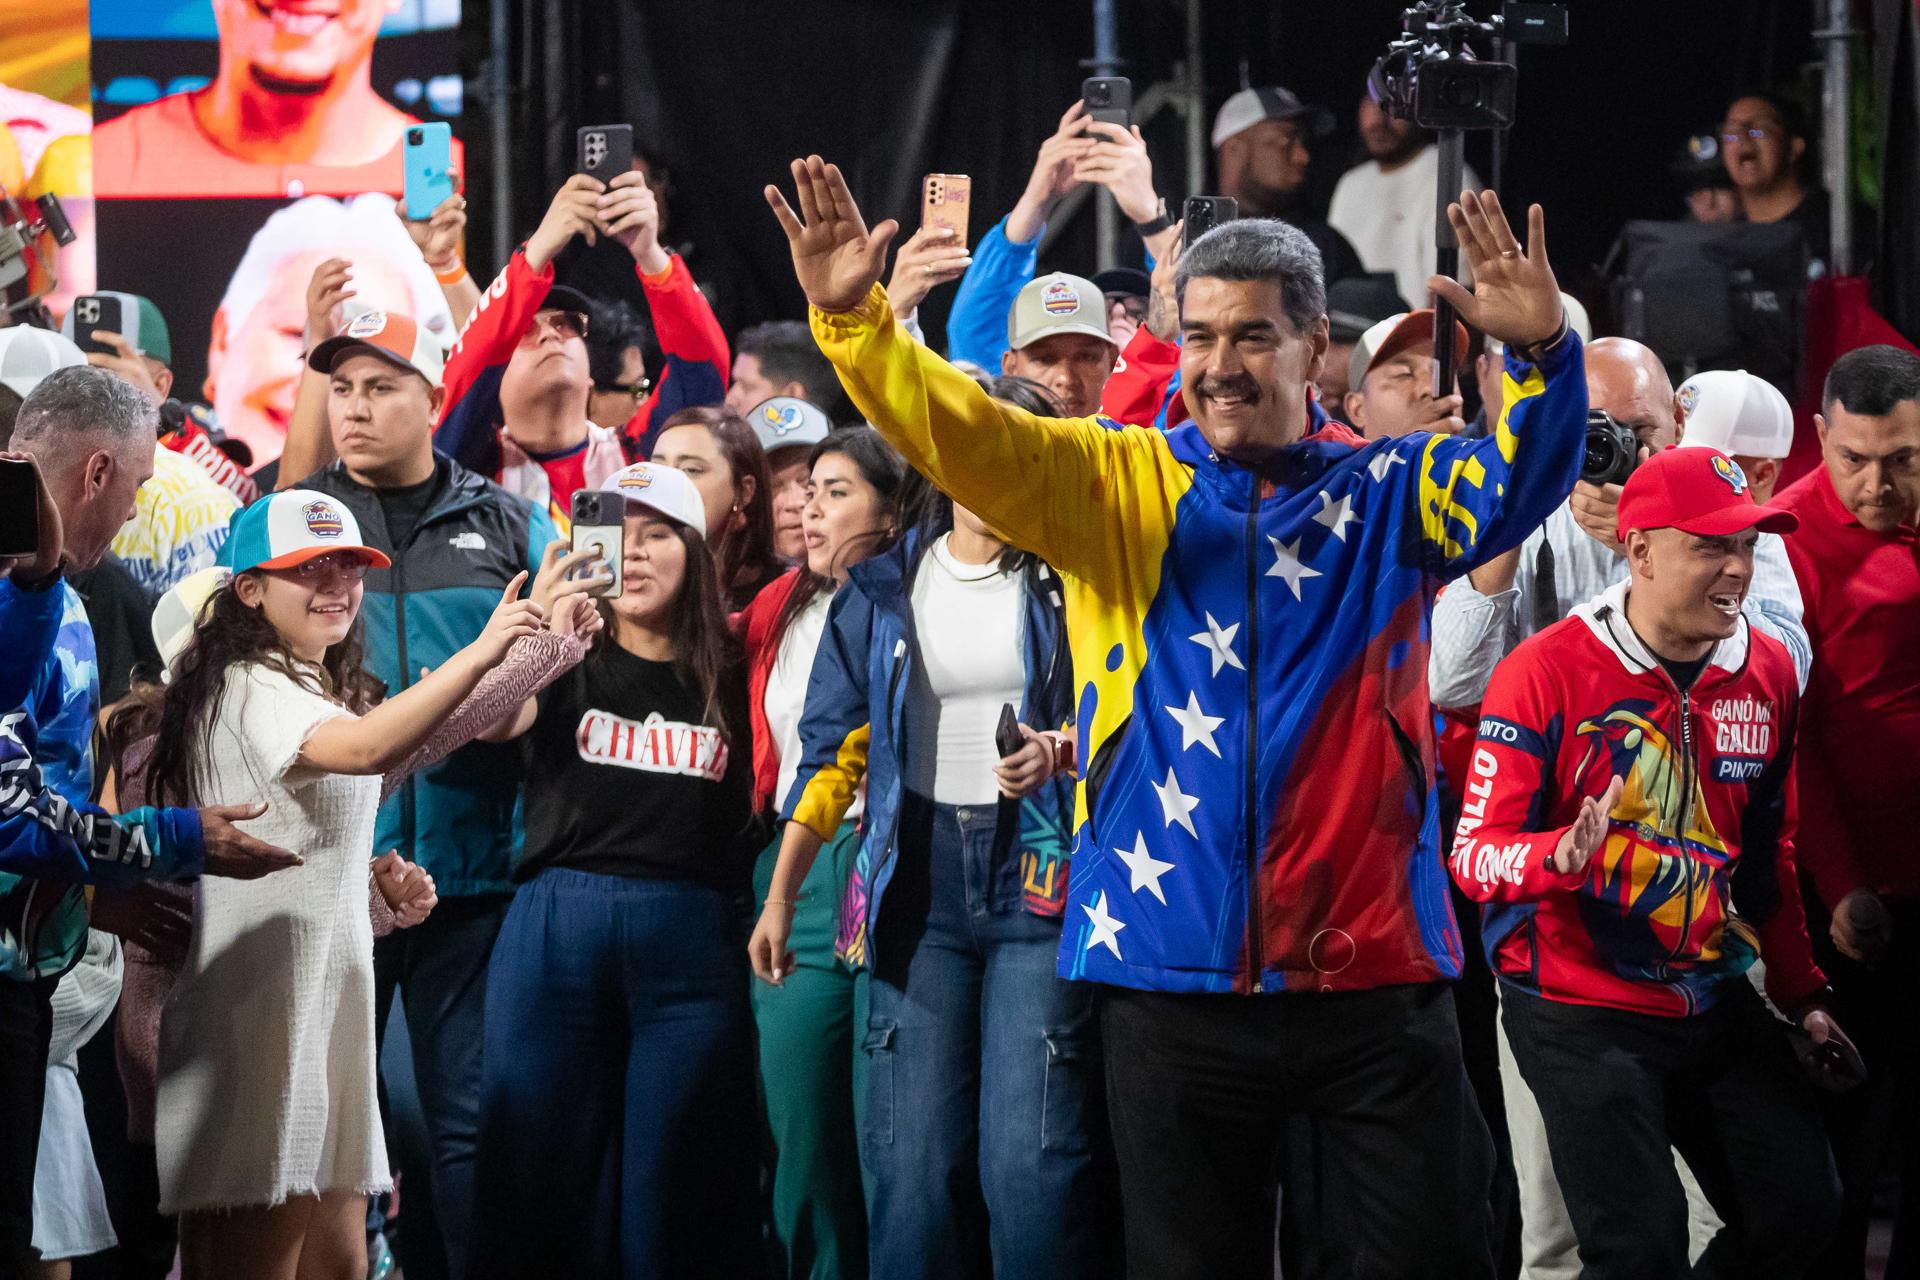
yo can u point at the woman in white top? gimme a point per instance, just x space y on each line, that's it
811 1066
267 1129
974 1134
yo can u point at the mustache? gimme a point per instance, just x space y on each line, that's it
1242 386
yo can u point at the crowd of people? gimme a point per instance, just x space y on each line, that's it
1161 789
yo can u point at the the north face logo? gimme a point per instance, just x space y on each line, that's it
468 541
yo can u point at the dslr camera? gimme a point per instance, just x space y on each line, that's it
1431 76
1613 451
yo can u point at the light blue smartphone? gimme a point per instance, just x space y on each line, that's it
429 176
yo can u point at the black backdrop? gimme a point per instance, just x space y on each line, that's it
729 90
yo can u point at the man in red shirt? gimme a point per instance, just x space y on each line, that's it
1859 572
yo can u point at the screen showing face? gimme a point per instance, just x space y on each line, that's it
276 98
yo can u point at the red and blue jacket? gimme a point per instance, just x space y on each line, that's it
1696 875
1256 810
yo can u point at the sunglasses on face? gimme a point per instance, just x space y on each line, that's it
567 324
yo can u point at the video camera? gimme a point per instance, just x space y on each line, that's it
1431 76
26 270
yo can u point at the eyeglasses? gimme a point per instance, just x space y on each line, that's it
1131 306
567 324
323 568
1757 133
637 391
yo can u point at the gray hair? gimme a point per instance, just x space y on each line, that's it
1260 249
69 403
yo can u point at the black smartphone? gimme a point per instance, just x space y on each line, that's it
599 521
19 509
1007 738
1109 99
1203 213
96 311
606 150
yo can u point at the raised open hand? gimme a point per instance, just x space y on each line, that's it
836 259
1588 831
1514 296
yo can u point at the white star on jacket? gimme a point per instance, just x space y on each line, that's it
1218 642
1287 564
1106 929
1175 804
1336 515
1378 464
1195 724
1144 869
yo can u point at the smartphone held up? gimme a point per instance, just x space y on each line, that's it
599 522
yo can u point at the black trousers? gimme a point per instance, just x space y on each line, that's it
1202 1088
26 1030
1617 1089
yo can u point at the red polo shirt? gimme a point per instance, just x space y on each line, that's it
1859 762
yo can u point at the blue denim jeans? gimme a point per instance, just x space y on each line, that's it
618 1131
980 1059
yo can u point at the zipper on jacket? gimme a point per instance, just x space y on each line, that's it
893 829
1256 964
1686 800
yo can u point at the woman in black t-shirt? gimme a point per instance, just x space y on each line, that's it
617 1122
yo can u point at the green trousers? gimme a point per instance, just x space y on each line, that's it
814 1074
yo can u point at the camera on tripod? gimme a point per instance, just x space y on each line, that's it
1613 451
1431 76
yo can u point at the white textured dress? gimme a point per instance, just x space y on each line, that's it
266 1062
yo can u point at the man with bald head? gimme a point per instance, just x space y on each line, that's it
1568 560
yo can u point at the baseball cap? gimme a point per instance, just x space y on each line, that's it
782 422
1057 303
291 527
392 336
1736 413
1356 303
141 324
1577 320
565 298
27 355
666 490
1249 107
1129 282
178 611
1700 491
1396 334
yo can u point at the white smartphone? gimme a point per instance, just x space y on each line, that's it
599 521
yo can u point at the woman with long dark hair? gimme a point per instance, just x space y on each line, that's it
718 451
618 1132
974 1137
268 1134
811 1025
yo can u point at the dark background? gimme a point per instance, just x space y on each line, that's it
727 91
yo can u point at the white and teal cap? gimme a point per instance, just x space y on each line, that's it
288 528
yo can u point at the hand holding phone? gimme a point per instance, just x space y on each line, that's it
1007 737
19 507
599 524
605 150
427 176
1109 99
103 312
946 199
1203 213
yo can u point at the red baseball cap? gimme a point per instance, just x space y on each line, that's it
1700 491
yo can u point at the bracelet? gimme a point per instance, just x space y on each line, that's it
1155 225
452 275
777 902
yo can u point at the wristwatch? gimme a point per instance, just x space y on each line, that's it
1158 223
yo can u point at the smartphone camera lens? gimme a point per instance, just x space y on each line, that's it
415 137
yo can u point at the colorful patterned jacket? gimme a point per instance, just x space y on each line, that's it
1256 811
1697 873
854 727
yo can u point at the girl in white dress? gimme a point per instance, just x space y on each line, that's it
267 1130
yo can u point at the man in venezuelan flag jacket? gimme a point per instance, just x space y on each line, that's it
1247 600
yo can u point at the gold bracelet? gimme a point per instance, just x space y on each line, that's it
777 902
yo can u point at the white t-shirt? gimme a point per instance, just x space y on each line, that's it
970 620
1389 219
786 697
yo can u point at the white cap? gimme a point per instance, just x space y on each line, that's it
1733 411
1577 320
1249 107
178 611
786 422
666 490
28 354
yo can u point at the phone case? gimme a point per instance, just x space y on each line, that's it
428 178
1007 737
607 540
95 312
945 201
605 150
1109 99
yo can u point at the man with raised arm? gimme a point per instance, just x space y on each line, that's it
1257 880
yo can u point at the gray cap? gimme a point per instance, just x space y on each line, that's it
784 422
1057 303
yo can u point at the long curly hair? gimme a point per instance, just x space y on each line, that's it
178 714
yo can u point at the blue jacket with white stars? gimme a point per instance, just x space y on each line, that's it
1256 810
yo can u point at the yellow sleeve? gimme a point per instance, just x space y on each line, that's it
1061 488
822 803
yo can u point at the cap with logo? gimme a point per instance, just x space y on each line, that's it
1733 411
1395 334
291 527
786 422
27 355
665 490
1249 107
1057 303
178 612
1698 491
141 324
391 335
